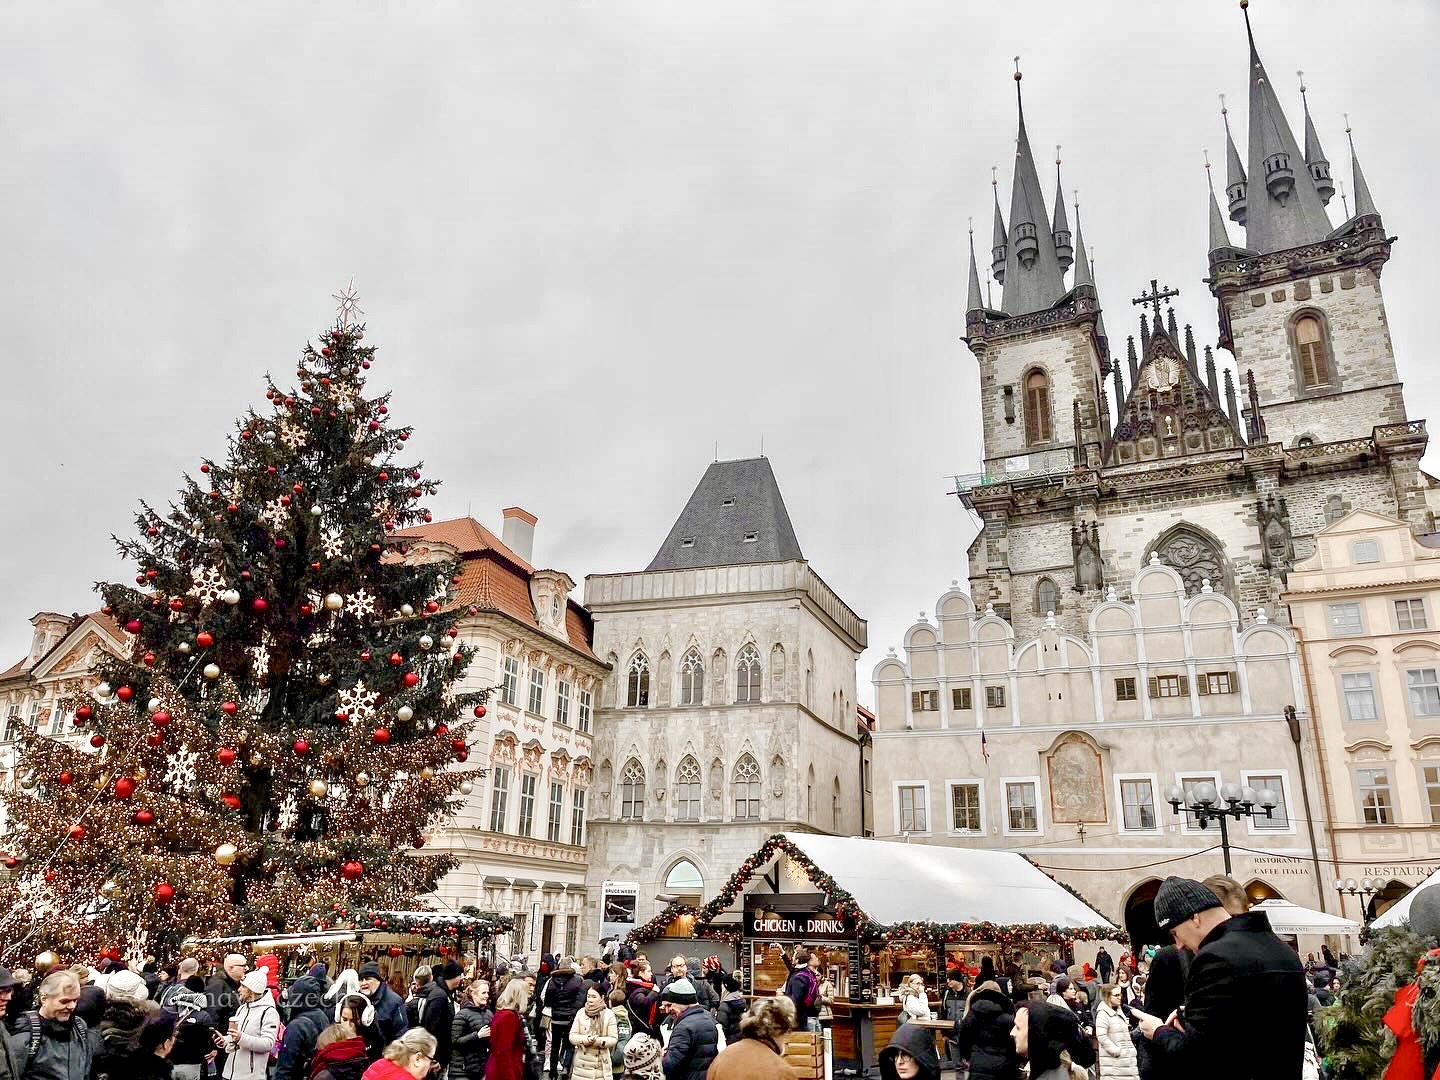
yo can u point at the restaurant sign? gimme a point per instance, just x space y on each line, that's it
763 921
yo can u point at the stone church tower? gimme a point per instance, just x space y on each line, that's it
1074 500
729 713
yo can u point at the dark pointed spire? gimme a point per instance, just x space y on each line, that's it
1235 183
1145 332
1104 409
1230 406
1064 252
1288 212
1219 235
1119 394
1314 156
1075 427
1170 326
998 244
972 298
1210 375
1190 353
1083 274
1034 280
1133 359
1364 204
1257 422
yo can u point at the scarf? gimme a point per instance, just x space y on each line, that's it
339 1051
594 1011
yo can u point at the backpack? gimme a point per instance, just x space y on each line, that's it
35 1031
622 1036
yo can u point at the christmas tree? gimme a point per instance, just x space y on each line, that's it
273 749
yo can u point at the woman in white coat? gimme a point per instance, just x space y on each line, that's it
593 1035
252 1030
1112 1031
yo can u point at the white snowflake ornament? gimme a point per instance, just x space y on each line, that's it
180 770
288 814
359 702
207 585
332 544
292 435
361 602
276 514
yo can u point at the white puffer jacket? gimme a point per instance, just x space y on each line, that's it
593 1062
248 1057
1117 1050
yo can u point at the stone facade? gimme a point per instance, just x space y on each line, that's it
1062 746
696 779
1366 608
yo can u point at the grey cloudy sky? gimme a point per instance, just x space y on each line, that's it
594 240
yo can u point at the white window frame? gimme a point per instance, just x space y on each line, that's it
1420 766
510 680
499 793
1247 777
535 701
1336 632
1187 823
584 700
1356 767
1395 603
1156 798
555 813
1369 673
1366 544
1410 701
13 715
1034 781
562 703
577 817
952 828
523 827
924 786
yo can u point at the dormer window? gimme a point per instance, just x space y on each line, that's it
751 538
1365 551
687 541
727 502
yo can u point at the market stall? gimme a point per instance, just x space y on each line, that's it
1399 912
878 912
1292 920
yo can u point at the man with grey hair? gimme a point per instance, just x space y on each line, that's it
52 1042
187 969
223 994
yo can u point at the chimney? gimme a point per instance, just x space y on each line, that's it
519 531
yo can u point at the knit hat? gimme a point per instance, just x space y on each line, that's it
681 992
642 1055
451 970
126 985
271 963
711 963
1179 898
256 981
369 971
187 1001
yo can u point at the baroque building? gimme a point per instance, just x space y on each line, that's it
1224 483
520 836
729 710
1366 608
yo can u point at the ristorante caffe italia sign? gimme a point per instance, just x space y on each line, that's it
763 921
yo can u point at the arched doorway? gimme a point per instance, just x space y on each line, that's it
1259 890
1140 916
1385 899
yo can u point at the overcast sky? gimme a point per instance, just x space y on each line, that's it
595 240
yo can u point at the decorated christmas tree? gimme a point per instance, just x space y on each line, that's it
272 751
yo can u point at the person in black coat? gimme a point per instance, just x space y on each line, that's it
469 1049
1246 995
694 1038
306 1016
1043 1032
914 1042
390 1019
983 1035
565 995
1164 993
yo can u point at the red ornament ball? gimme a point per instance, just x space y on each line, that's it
326 351
306 610
143 817
164 893
365 657
97 740
204 639
418 842
231 800
177 604
133 626
149 659
442 729
225 756
396 659
383 477
77 832
381 736
301 747
125 693
160 718
83 713
204 467
156 738
411 678
259 604
66 777
352 869
11 862
124 787
431 606
279 543
458 745
453 632
394 952
229 708
480 712
462 755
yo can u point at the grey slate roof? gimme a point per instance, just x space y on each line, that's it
1043 283
710 533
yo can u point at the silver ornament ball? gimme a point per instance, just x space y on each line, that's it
212 671
334 602
406 610
104 690
316 510
230 596
404 714
426 641
183 648
154 704
466 787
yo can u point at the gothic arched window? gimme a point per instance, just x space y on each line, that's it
1047 597
747 789
637 688
810 794
692 678
685 880
1039 427
835 806
748 675
687 790
1312 350
632 791
1196 556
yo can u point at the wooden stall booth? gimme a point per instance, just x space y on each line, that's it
878 913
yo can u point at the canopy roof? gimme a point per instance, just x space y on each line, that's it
1400 911
898 883
1288 918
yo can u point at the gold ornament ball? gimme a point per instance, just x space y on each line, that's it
226 854
46 960
212 671
427 773
256 760
334 602
318 788
29 780
361 779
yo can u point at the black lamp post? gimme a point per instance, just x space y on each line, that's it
1364 888
1203 803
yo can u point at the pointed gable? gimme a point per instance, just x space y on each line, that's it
736 515
1170 411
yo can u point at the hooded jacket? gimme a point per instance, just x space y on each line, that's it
436 1013
390 1016
694 1044
643 999
468 1050
565 994
248 1057
983 1035
1054 1030
305 1001
1117 1049
919 1043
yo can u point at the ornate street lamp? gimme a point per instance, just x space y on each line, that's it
1204 804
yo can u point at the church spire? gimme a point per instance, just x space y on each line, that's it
1083 274
1033 278
1314 156
1235 182
1289 212
1364 204
1219 235
972 299
1064 252
998 244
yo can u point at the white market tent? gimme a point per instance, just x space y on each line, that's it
898 882
1400 911
1288 918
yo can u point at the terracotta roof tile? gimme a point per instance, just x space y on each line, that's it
465 535
14 669
492 584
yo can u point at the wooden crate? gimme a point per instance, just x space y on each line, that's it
805 1053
